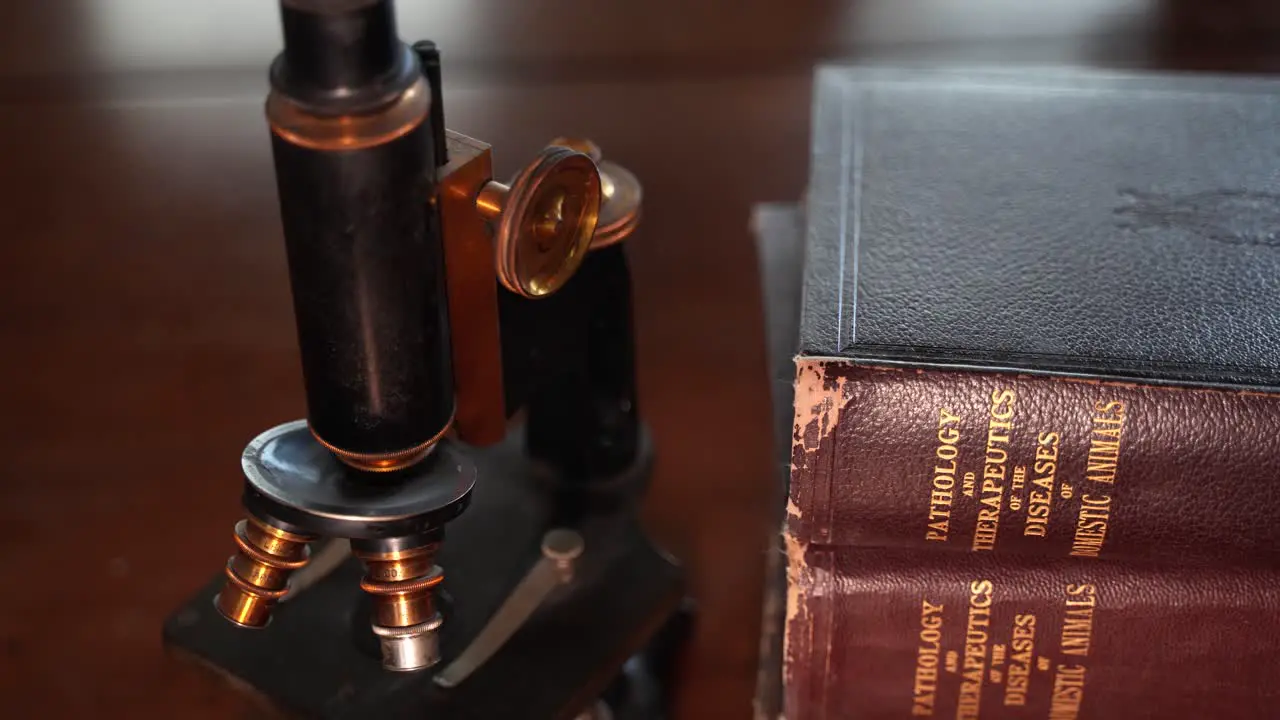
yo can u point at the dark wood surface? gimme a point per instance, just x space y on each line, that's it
145 318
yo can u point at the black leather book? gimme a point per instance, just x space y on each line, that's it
1080 222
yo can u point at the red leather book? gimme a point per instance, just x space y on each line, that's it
991 462
912 633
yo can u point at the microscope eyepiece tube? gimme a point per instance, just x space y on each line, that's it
366 266
341 56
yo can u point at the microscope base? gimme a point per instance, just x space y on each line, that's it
608 635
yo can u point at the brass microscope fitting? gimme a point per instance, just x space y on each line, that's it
395 230
258 575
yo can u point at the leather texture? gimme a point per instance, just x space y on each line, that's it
1107 640
1079 222
1028 464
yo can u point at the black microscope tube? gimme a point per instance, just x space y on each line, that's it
355 173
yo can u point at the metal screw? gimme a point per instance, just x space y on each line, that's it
562 547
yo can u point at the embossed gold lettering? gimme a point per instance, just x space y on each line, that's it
1068 692
924 691
976 638
991 491
1040 501
1021 654
1104 442
1091 526
1077 622
944 477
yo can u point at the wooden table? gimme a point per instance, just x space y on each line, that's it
145 316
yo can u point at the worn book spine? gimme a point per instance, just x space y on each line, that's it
909 633
1052 466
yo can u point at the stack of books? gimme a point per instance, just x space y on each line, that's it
1027 339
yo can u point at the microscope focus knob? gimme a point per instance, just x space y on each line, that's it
544 222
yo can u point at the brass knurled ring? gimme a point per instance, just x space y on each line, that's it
249 588
265 558
388 461
374 587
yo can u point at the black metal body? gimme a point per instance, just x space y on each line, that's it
318 657
341 56
612 634
296 484
429 60
368 290
572 356
366 260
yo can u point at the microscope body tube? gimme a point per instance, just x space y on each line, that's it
355 170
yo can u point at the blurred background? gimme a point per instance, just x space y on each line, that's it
144 309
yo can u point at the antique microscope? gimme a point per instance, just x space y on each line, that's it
451 532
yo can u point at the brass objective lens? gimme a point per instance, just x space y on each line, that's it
402 584
258 575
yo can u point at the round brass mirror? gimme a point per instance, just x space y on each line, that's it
548 218
620 208
620 192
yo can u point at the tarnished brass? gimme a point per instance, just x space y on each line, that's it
258 575
349 132
620 190
480 405
620 211
491 199
544 221
402 585
582 145
534 232
385 462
